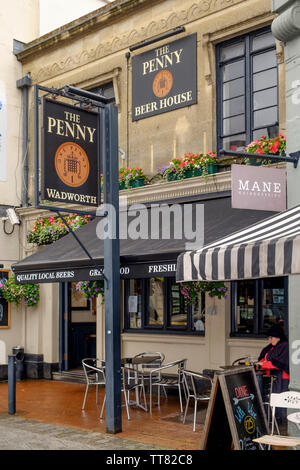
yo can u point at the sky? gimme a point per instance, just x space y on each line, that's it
55 13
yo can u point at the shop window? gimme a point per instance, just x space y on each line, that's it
247 90
258 304
157 305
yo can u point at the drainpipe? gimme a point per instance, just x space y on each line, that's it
24 84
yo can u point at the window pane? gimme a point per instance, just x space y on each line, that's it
233 107
234 50
265 98
259 132
156 301
135 303
263 41
265 117
234 124
233 70
264 61
274 302
198 314
233 88
245 307
236 142
265 79
178 308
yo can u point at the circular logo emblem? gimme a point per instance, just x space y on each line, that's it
72 164
162 83
249 424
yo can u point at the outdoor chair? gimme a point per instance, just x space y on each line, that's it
280 400
94 371
198 387
146 366
159 380
128 386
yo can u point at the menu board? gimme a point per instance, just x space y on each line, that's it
235 414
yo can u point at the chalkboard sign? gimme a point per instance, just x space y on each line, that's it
235 414
4 305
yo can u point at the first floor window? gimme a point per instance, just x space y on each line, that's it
156 304
258 304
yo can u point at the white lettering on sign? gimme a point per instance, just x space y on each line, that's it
164 58
65 196
162 268
164 103
264 186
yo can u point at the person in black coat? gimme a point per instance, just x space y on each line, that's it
274 359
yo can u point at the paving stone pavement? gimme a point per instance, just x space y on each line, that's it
23 434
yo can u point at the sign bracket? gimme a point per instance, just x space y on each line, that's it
292 158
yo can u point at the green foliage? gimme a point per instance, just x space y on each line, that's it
47 230
91 289
192 290
15 293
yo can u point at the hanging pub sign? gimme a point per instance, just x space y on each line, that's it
259 188
164 78
70 169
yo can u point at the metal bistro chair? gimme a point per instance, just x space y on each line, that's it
146 367
126 387
157 379
94 371
198 387
280 400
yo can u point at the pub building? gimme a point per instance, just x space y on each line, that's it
215 82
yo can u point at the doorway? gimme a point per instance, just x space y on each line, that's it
77 327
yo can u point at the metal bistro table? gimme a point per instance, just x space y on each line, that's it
135 362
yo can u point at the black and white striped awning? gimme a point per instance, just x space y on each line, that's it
267 248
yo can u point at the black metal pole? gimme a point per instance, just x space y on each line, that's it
11 384
112 274
292 158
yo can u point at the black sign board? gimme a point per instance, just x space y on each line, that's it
127 271
4 305
164 78
70 158
235 414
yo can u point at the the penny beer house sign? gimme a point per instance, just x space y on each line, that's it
164 78
70 171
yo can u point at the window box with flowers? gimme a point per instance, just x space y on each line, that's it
266 146
190 166
15 293
131 178
47 230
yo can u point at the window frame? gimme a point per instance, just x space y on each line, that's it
166 328
248 84
258 288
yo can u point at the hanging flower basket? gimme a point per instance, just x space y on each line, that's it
90 289
192 290
267 146
15 293
47 230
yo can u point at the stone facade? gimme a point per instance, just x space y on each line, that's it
93 51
